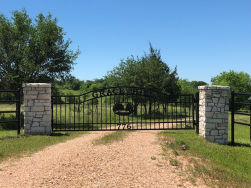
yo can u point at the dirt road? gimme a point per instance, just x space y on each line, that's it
134 162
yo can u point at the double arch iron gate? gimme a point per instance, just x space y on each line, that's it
123 108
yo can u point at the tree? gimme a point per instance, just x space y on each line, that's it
188 87
148 71
238 81
33 50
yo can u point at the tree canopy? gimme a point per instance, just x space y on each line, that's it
148 71
188 87
238 81
33 50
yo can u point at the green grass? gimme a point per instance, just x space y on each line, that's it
110 138
222 165
12 145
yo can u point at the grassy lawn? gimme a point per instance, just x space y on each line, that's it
110 138
12 145
222 165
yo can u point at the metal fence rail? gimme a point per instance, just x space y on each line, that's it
241 105
10 97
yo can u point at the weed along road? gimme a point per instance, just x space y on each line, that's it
134 160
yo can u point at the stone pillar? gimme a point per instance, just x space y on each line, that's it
37 108
213 113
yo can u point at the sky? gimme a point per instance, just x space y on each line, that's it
202 38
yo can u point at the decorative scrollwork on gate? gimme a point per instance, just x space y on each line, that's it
123 109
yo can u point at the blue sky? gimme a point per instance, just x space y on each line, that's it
201 37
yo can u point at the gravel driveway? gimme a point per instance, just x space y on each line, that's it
78 163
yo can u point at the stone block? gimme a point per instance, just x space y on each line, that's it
214 132
43 96
37 109
37 119
44 124
28 114
37 130
35 124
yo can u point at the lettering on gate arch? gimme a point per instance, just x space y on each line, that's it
118 91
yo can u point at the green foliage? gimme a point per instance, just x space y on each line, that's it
190 87
33 50
91 85
238 81
148 71
71 83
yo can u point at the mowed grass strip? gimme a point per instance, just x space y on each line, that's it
12 145
112 137
221 165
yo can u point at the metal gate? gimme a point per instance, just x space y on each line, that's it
123 108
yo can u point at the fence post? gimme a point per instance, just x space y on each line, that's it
197 113
18 106
37 108
213 113
232 117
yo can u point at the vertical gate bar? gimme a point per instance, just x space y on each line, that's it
128 117
132 113
65 111
119 113
106 112
92 114
185 109
101 113
189 110
154 114
180 114
232 117
110 113
56 110
18 105
250 122
137 115
159 114
176 112
83 113
123 102
79 113
193 110
97 122
88 118
114 102
60 110
197 113
172 112
141 115
69 113
74 115
163 114
52 114
150 110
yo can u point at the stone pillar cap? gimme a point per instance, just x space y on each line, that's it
36 85
217 87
